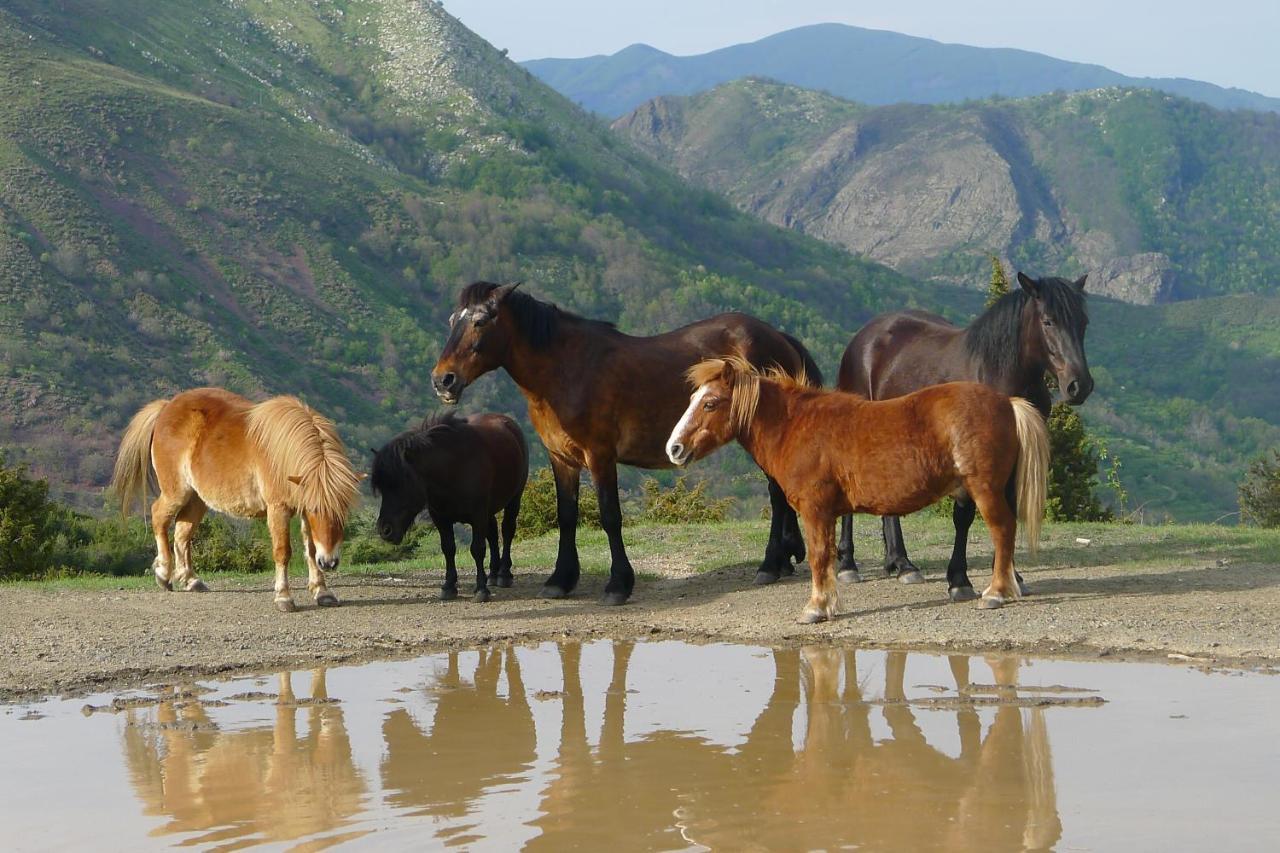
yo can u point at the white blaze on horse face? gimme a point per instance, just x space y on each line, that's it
677 435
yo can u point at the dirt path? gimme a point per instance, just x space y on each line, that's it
75 640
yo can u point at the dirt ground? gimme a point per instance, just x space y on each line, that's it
69 641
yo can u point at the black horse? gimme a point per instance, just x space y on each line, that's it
1025 333
461 470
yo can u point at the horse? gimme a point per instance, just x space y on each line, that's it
834 452
462 470
211 449
1039 327
598 397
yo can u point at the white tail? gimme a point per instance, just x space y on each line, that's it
133 462
1033 469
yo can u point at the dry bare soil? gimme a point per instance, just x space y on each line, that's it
1206 594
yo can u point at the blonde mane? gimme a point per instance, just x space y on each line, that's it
744 378
299 442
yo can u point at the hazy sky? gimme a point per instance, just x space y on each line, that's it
1228 42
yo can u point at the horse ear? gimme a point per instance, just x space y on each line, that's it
1079 283
297 481
1029 284
362 476
503 292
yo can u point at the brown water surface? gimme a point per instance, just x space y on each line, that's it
659 746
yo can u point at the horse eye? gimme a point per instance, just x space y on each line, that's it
481 319
1048 322
709 405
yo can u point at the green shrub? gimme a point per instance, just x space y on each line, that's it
224 545
1073 469
363 545
1260 491
29 523
110 545
538 506
681 504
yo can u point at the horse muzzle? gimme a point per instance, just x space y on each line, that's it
678 453
448 386
1078 390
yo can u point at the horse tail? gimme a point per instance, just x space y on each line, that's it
132 473
812 374
1033 469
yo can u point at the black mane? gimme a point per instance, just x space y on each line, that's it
537 321
392 463
995 338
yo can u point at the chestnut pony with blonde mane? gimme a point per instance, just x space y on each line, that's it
211 449
833 452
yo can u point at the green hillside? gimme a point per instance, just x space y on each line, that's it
285 197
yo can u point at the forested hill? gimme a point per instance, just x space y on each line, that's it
869 66
285 197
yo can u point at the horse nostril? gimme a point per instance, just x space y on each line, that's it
1073 389
448 381
676 450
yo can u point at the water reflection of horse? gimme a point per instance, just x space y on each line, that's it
264 783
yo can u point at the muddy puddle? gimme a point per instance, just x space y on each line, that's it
658 746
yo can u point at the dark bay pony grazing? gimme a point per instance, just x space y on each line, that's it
834 453
1035 329
461 470
211 449
598 397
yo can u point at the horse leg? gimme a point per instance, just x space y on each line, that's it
1003 525
823 598
776 560
896 561
968 725
847 569
188 520
509 517
163 510
448 547
622 578
959 587
315 575
495 553
479 536
565 577
792 541
1011 495
278 517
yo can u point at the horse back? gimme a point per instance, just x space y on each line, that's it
496 444
898 353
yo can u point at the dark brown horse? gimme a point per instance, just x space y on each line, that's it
834 453
1035 329
461 470
598 397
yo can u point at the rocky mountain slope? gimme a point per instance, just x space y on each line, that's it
869 66
1156 197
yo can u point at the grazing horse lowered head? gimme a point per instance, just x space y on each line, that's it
460 470
599 398
834 453
211 449
1038 328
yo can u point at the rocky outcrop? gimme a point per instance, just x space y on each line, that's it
1143 279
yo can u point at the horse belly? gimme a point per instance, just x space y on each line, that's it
230 489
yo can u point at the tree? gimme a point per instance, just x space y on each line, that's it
1073 469
999 282
29 523
1260 491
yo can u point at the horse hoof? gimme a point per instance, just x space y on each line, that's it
481 596
550 591
165 585
962 593
989 603
197 585
812 617
766 578
848 576
912 576
327 599
286 605
504 581
448 593
614 599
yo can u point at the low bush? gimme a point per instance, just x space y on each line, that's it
681 504
538 506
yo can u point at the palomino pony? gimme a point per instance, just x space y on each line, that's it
834 452
1038 328
461 470
211 449
598 398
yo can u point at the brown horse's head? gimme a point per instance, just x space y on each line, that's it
327 532
724 398
479 335
1055 322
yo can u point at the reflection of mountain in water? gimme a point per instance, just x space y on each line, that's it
267 783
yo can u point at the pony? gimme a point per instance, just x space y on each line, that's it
833 452
462 470
598 397
211 449
1037 328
